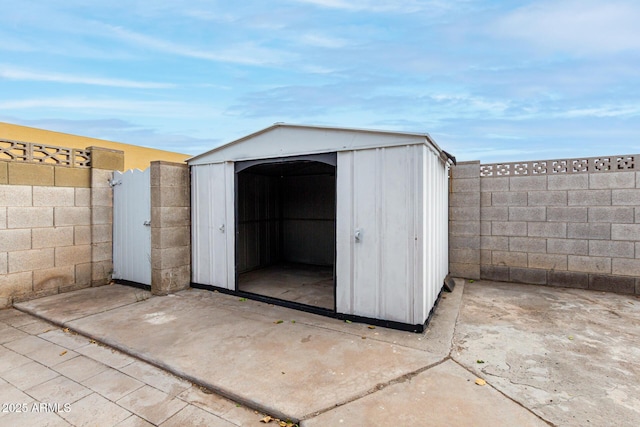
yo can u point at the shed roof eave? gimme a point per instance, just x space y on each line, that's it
427 138
235 141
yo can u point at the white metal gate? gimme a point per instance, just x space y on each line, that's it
132 226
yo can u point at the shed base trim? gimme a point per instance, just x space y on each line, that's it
418 328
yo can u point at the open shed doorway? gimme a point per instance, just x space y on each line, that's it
285 224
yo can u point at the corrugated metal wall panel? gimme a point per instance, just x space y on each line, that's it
131 238
437 241
212 210
258 221
365 210
397 232
308 219
285 219
396 198
421 224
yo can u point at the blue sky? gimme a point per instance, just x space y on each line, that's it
489 80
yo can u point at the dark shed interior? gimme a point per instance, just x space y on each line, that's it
286 218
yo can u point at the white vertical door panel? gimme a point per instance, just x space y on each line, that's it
397 229
213 225
345 243
131 226
394 199
366 249
375 271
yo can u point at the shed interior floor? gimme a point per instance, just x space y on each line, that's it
301 283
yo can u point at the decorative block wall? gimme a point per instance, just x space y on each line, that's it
571 222
55 219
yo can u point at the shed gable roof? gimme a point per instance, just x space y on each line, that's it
282 140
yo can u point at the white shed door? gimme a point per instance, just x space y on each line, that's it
132 226
376 234
213 225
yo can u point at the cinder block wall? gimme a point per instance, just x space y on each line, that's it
49 242
579 230
103 162
464 220
45 240
170 227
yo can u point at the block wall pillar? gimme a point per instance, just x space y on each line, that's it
464 220
170 227
103 163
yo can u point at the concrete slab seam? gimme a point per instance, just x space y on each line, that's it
37 316
32 312
473 373
502 393
455 323
352 334
378 387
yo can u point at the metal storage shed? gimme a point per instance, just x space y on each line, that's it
345 222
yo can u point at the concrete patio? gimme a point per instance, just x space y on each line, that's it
549 356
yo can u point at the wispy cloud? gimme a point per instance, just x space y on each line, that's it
317 69
602 111
100 106
304 101
245 53
209 15
319 40
574 26
14 44
11 73
336 4
406 6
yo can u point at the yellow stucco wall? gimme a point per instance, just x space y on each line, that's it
134 156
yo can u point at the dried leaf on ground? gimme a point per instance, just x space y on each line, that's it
277 322
480 381
266 419
63 353
205 390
